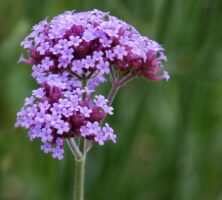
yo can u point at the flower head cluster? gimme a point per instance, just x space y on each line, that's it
71 55
54 114
88 43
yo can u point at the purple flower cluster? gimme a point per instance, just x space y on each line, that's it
89 43
54 114
71 55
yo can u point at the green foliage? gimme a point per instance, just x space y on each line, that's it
169 134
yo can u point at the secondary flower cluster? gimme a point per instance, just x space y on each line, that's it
54 114
71 55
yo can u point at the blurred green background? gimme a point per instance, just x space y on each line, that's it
169 133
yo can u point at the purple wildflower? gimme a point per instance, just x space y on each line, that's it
43 47
98 55
46 135
62 127
100 100
58 152
29 101
46 63
108 131
63 62
74 41
88 62
120 52
88 36
70 56
85 111
46 147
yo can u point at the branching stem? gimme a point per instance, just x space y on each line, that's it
79 151
74 148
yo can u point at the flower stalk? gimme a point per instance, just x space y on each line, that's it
74 148
79 178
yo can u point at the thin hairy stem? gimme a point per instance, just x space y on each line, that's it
74 148
75 74
112 93
126 79
112 73
79 179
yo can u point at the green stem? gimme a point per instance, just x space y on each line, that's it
74 148
81 149
112 93
79 179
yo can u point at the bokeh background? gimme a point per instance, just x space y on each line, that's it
169 133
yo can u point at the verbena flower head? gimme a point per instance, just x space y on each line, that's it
70 56
54 114
89 42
